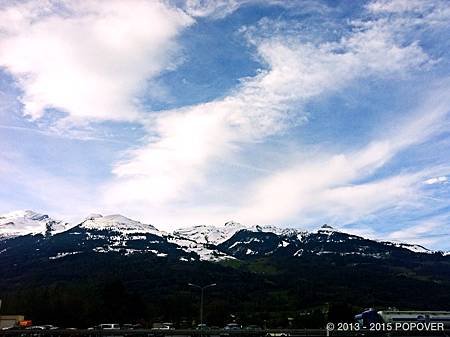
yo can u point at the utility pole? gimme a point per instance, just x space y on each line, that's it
202 290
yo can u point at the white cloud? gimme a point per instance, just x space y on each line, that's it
429 232
430 12
188 142
328 189
218 9
88 59
436 180
212 8
397 6
325 190
426 232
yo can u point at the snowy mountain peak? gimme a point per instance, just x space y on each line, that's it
275 230
26 222
327 229
28 214
232 224
117 223
211 234
208 233
93 216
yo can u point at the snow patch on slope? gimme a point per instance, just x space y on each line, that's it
201 249
414 248
60 255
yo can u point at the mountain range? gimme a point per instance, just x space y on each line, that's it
117 233
112 268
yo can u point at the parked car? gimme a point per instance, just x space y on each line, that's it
232 326
168 326
252 327
202 327
129 326
109 326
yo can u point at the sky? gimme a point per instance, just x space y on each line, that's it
183 112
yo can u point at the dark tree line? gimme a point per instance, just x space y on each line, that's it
81 291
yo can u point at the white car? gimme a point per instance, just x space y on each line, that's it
109 326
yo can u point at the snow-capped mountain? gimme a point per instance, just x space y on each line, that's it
120 235
116 233
207 240
26 222
117 223
111 234
250 243
100 234
209 234
218 234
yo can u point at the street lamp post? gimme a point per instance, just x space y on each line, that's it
202 289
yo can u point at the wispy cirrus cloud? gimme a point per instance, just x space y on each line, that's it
430 11
212 8
187 143
333 187
436 180
433 231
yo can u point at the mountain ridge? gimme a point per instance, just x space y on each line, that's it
117 233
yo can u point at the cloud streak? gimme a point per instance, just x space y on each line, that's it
328 188
187 143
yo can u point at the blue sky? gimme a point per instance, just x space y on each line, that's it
293 113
